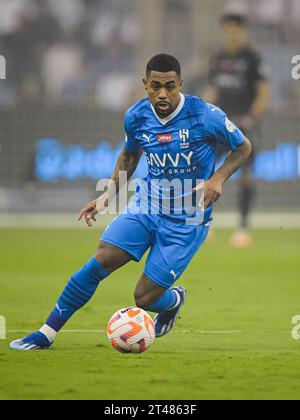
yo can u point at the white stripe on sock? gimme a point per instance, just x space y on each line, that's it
49 332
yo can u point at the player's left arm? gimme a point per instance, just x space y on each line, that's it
235 160
221 130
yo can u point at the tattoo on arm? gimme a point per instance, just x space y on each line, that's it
127 162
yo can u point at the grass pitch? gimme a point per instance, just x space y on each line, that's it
233 340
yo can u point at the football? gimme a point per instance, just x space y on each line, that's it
131 330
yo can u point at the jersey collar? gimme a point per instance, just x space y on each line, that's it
177 111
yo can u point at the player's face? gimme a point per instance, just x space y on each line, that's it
164 91
235 36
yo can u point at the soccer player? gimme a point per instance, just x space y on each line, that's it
178 134
239 85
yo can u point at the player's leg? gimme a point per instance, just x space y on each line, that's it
125 239
78 292
150 296
174 247
246 194
84 283
154 298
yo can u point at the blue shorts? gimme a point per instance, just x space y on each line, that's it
172 244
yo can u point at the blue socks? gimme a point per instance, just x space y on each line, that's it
168 301
77 293
81 289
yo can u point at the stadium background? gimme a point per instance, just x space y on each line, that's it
74 67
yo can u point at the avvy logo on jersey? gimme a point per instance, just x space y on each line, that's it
179 163
165 138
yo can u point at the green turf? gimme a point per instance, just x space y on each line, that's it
255 293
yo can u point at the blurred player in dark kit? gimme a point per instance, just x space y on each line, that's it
239 85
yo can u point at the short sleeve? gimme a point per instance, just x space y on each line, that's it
221 129
131 144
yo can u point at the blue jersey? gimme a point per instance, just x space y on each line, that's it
180 148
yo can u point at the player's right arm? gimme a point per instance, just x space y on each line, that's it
128 161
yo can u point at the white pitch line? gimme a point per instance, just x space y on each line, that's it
103 332
208 332
61 332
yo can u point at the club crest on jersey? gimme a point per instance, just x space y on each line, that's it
165 138
184 136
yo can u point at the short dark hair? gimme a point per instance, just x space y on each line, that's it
240 20
163 63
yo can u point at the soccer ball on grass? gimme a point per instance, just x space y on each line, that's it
131 330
